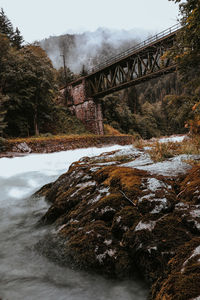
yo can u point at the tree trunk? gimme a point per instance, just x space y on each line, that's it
36 128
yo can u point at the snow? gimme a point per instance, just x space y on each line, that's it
172 167
194 253
94 200
195 213
118 219
106 209
88 232
73 221
83 185
159 207
149 197
110 163
197 225
109 252
173 139
145 226
127 151
94 169
102 190
143 160
152 248
108 242
154 184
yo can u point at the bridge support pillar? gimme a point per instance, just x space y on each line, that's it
85 108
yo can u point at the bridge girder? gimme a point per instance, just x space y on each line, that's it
137 67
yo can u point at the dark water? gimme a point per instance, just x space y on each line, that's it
24 274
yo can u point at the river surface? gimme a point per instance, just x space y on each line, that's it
24 273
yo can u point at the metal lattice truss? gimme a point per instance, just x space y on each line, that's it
149 62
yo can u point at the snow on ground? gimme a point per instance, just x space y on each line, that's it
173 139
143 160
154 184
195 252
145 226
171 167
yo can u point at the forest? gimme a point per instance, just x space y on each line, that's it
29 85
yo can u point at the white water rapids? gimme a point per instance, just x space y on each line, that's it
24 274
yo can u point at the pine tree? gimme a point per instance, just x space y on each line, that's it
17 39
6 28
5 25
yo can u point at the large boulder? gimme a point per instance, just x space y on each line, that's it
111 216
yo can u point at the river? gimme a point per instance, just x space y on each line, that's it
24 273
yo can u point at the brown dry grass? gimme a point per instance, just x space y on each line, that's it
162 151
109 130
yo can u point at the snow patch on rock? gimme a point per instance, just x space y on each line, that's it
145 226
195 252
102 190
109 252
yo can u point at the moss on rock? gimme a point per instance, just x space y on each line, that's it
119 221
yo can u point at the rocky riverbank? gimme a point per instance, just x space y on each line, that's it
17 147
121 214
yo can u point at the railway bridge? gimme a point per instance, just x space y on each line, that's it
140 63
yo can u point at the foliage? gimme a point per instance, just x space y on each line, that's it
28 78
109 130
147 110
170 104
3 124
64 123
6 28
64 78
187 54
162 151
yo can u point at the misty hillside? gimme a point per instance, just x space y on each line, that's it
89 48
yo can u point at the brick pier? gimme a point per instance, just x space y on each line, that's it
86 108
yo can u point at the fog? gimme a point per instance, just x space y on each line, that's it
90 48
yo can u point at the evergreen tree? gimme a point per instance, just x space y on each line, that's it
6 28
5 25
187 54
28 78
17 39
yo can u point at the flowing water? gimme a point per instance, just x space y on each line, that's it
24 274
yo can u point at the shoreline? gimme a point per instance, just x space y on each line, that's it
21 147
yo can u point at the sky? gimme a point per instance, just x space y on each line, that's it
38 19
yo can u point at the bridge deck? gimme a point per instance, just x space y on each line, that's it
137 48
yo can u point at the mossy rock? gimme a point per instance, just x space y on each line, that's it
182 279
190 186
119 221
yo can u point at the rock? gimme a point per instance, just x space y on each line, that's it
118 220
181 281
22 147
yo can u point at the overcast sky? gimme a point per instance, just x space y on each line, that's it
37 19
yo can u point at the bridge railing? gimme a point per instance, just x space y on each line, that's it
145 43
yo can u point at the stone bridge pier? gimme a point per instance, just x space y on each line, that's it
84 107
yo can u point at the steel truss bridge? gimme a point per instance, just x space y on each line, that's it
138 64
